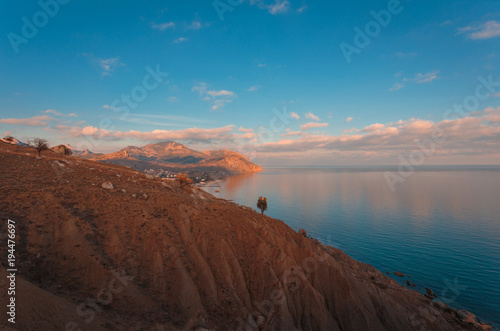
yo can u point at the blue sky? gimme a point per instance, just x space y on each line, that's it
230 65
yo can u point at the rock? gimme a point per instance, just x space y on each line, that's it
61 149
484 327
439 305
124 191
408 283
400 274
429 292
145 196
134 195
466 317
150 177
303 232
108 185
261 320
388 273
58 163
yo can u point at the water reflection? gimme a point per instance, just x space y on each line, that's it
437 222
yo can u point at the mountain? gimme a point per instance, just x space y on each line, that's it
145 254
13 141
173 155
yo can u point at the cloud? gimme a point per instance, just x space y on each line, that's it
489 29
52 111
56 113
109 65
180 40
173 99
497 95
311 116
163 26
32 121
109 107
219 98
396 86
261 65
254 88
477 135
289 133
196 134
279 7
349 119
295 115
373 127
302 9
196 25
312 125
424 78
242 129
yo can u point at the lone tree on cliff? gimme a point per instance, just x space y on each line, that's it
184 180
262 204
39 144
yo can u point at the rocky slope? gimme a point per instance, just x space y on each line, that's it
147 255
174 155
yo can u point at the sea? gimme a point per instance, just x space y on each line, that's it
438 224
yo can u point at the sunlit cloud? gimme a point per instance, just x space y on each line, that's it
311 116
313 125
32 121
294 115
487 30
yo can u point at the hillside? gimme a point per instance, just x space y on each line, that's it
148 255
173 156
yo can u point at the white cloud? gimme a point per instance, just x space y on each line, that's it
424 78
489 29
56 113
180 40
173 99
109 65
279 7
220 98
254 88
290 133
163 26
396 86
52 111
261 65
312 125
302 9
311 116
109 107
349 119
295 115
32 121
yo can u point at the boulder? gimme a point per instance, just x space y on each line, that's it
61 149
466 317
303 232
108 185
400 274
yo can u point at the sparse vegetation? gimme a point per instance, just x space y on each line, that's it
262 204
184 180
9 138
39 144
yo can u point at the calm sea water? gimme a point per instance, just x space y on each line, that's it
441 226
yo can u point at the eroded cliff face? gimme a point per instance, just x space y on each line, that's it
150 255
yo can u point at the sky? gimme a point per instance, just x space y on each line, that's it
284 82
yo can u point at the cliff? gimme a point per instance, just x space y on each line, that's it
100 247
